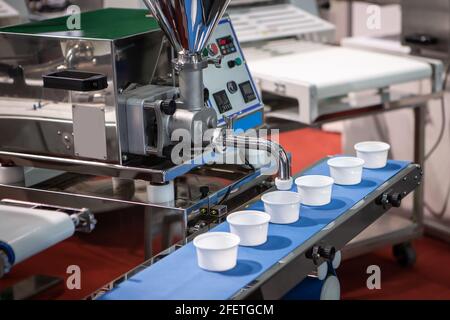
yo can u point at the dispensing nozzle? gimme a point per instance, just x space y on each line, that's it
226 138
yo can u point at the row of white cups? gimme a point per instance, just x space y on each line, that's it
217 251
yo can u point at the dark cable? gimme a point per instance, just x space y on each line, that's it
230 188
443 115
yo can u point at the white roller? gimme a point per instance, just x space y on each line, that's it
29 231
11 175
331 289
159 194
322 271
337 260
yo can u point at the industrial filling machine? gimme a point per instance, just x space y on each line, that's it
91 176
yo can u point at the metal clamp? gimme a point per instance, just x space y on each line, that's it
390 199
321 252
84 221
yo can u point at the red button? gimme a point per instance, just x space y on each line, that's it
213 49
222 42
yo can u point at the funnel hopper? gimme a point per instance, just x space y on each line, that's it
188 24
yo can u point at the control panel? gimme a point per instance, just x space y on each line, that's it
231 87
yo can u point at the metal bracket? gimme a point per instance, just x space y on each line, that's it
84 221
321 251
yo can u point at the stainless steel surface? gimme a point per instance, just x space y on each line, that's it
284 164
36 120
157 171
191 89
188 26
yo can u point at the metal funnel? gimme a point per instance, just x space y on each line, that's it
188 23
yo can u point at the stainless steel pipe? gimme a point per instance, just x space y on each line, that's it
284 180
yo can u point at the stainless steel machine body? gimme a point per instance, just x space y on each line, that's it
127 120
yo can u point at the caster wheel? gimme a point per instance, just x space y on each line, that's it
405 254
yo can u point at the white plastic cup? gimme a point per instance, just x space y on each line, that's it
282 206
346 171
374 153
250 226
217 251
315 190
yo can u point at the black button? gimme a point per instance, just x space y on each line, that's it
232 87
231 64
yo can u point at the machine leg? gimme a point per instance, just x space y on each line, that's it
405 254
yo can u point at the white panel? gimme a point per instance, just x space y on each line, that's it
216 79
89 131
338 71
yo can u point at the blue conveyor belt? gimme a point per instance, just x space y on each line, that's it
178 277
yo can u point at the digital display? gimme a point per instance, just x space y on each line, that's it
222 101
247 91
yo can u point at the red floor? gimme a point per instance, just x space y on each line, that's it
428 279
308 146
